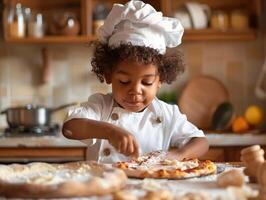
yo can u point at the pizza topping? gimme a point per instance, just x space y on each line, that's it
158 165
182 165
158 160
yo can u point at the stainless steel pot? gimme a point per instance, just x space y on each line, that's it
30 115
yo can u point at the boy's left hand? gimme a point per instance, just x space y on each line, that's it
175 154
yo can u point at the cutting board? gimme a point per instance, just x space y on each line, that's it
200 98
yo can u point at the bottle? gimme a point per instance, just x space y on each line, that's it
16 22
99 15
27 15
6 13
36 26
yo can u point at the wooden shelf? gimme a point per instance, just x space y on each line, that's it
84 9
190 35
211 34
52 40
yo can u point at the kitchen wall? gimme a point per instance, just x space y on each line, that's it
21 74
236 64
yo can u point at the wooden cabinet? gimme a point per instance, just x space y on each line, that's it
47 154
84 9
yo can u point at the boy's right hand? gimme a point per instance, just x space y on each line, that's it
124 142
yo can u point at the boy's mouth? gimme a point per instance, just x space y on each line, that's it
132 103
134 106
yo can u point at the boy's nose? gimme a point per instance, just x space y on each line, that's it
135 89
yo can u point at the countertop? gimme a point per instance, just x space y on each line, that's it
206 186
234 139
215 139
41 141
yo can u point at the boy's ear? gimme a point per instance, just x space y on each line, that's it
108 79
159 84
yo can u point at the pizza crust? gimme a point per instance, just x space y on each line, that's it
43 180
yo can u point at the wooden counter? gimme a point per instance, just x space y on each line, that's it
223 148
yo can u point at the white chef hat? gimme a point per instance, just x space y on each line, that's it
141 25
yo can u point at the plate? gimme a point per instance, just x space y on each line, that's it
200 98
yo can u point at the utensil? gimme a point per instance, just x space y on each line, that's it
47 68
223 116
30 115
199 13
260 89
200 98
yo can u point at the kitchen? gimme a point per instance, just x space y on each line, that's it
55 70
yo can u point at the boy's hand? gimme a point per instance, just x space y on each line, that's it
175 154
124 142
195 148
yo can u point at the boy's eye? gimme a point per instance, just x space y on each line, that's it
124 82
147 83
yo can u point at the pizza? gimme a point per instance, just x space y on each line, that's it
156 165
75 179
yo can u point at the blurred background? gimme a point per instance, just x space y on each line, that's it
45 59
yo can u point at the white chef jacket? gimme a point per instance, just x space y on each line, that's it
157 127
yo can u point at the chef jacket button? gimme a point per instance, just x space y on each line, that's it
114 116
106 151
158 120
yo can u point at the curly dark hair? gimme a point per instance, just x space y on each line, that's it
105 58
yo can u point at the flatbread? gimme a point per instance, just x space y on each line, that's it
43 180
156 165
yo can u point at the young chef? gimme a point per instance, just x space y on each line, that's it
131 121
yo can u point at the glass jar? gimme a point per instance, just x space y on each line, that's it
65 23
36 26
239 20
99 14
16 22
219 20
6 15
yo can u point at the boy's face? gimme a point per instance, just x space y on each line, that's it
134 85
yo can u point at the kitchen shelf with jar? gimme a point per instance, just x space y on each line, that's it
35 21
84 10
215 19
